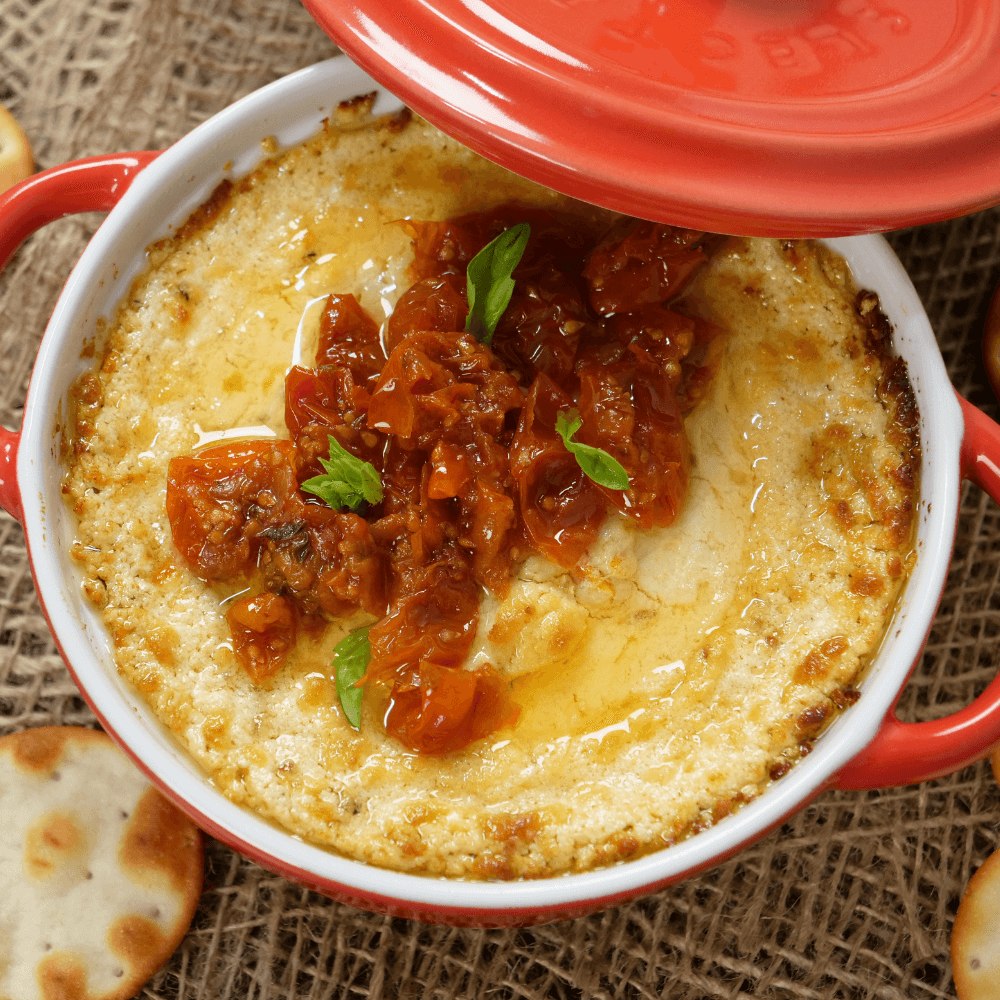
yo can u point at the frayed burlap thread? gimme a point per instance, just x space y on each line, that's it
853 897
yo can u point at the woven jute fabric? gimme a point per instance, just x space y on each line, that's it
852 897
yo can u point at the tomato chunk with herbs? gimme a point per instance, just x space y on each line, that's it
561 507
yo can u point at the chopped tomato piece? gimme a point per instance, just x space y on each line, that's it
431 304
219 500
434 381
640 263
328 397
626 412
542 327
451 470
441 709
441 248
263 629
237 508
561 507
433 618
349 340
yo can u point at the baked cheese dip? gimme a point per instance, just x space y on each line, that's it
468 530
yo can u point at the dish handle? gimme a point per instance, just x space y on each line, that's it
94 184
904 753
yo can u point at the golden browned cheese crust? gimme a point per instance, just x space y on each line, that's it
666 679
101 875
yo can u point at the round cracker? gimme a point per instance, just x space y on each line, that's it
101 874
975 938
16 162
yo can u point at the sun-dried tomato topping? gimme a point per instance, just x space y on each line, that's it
235 508
217 503
474 475
441 386
436 710
639 264
432 304
419 393
700 364
626 412
324 559
443 248
452 470
264 631
348 339
433 619
543 326
561 507
334 397
629 406
323 396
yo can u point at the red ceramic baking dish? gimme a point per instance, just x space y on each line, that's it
150 194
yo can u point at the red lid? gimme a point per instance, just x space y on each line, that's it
758 117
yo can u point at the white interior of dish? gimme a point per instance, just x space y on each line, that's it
160 199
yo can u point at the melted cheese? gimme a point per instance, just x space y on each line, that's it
662 681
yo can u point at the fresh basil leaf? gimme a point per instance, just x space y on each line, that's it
350 661
489 282
348 482
595 462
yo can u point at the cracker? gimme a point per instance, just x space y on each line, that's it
975 938
100 874
16 162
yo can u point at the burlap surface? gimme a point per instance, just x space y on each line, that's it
853 897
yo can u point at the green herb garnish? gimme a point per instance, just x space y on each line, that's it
595 462
350 661
348 482
489 280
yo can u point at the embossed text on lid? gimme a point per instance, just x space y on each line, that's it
799 117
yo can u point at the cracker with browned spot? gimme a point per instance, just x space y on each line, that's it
16 162
99 874
975 938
